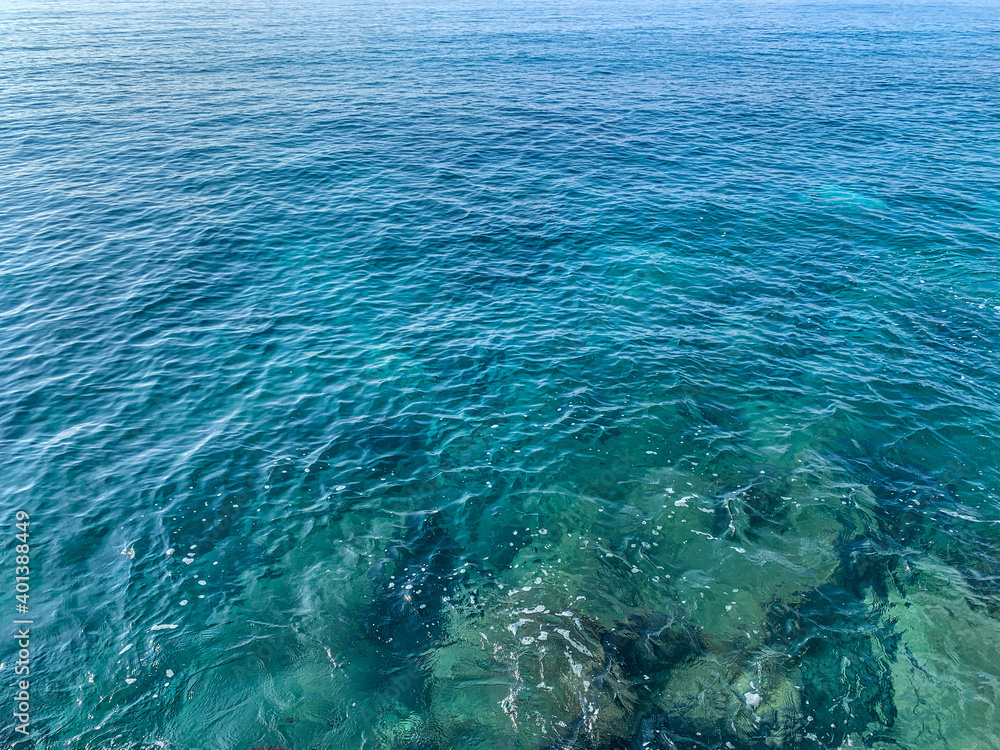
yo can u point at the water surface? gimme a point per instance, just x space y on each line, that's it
415 375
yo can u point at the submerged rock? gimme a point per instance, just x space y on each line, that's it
946 675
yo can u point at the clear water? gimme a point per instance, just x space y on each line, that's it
424 375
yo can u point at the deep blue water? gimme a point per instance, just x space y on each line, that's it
424 375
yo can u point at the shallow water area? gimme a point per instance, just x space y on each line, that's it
415 376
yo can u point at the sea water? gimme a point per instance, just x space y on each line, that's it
420 375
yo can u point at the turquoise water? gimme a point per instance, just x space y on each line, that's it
412 376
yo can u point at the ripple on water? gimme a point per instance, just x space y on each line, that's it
426 376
